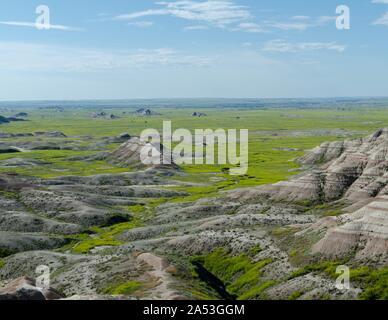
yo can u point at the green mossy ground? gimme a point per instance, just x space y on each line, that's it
104 237
373 281
241 275
126 288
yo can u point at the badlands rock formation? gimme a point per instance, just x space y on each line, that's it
336 209
352 172
139 154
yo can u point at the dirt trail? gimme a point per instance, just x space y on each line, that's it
160 272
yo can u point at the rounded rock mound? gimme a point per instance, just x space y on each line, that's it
139 154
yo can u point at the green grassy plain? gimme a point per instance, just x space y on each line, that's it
277 136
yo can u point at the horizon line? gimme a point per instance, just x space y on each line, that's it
195 98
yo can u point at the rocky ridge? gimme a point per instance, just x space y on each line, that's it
351 172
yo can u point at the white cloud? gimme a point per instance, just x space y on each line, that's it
301 23
197 27
34 25
300 18
282 46
17 56
250 27
214 12
141 24
326 19
382 20
224 14
164 57
290 26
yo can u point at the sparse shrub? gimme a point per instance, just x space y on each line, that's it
127 288
296 295
4 252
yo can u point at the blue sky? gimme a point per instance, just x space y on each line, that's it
117 49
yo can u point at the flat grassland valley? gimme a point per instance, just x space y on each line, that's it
75 197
